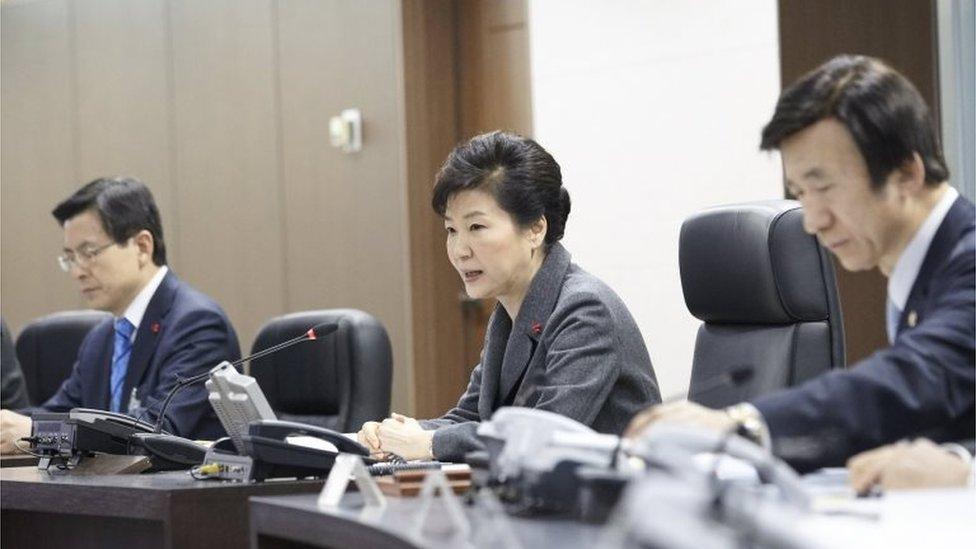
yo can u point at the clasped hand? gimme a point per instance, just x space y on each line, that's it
399 435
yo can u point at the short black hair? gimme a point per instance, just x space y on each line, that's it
124 205
882 110
523 178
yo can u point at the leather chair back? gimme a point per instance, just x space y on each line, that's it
339 381
766 294
47 349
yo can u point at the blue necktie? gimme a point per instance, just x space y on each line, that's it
120 359
892 315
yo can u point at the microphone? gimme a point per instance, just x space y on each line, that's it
736 376
312 334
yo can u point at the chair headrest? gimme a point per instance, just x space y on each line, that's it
752 263
317 378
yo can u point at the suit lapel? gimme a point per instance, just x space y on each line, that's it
147 337
536 308
101 383
496 338
957 220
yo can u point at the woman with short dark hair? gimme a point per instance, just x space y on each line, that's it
559 339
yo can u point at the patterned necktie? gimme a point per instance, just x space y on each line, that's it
892 315
120 359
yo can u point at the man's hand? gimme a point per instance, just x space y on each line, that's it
680 413
920 464
403 436
13 427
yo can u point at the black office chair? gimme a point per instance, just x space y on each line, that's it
48 347
339 381
766 293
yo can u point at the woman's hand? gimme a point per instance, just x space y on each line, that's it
403 436
368 437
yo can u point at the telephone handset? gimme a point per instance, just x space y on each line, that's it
275 456
284 430
91 416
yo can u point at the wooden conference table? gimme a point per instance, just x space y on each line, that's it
914 518
293 522
17 461
40 509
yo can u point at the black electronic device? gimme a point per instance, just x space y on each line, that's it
53 439
534 458
168 452
275 457
64 439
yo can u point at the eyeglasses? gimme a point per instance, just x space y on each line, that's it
82 257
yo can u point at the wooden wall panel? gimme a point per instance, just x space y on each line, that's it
493 73
346 227
226 176
442 369
494 93
123 99
466 70
38 156
903 33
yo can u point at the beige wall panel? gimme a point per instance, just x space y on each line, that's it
38 158
123 106
226 172
346 213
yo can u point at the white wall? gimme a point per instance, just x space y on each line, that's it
957 90
653 109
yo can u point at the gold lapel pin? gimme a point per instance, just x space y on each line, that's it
912 319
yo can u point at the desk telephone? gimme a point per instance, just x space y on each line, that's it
276 449
543 462
63 439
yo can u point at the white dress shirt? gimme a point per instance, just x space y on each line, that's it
137 309
906 268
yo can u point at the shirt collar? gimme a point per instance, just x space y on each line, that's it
906 268
137 309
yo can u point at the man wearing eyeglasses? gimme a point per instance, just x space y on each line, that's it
162 328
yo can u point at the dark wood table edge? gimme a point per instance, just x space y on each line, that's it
270 517
129 502
18 461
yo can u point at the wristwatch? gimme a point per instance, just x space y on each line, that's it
750 424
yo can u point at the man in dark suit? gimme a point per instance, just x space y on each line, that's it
861 154
163 329
13 390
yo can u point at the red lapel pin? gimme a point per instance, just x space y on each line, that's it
154 327
537 328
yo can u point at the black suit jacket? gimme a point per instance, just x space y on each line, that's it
923 385
13 390
183 333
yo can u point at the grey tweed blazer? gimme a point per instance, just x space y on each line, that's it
574 349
